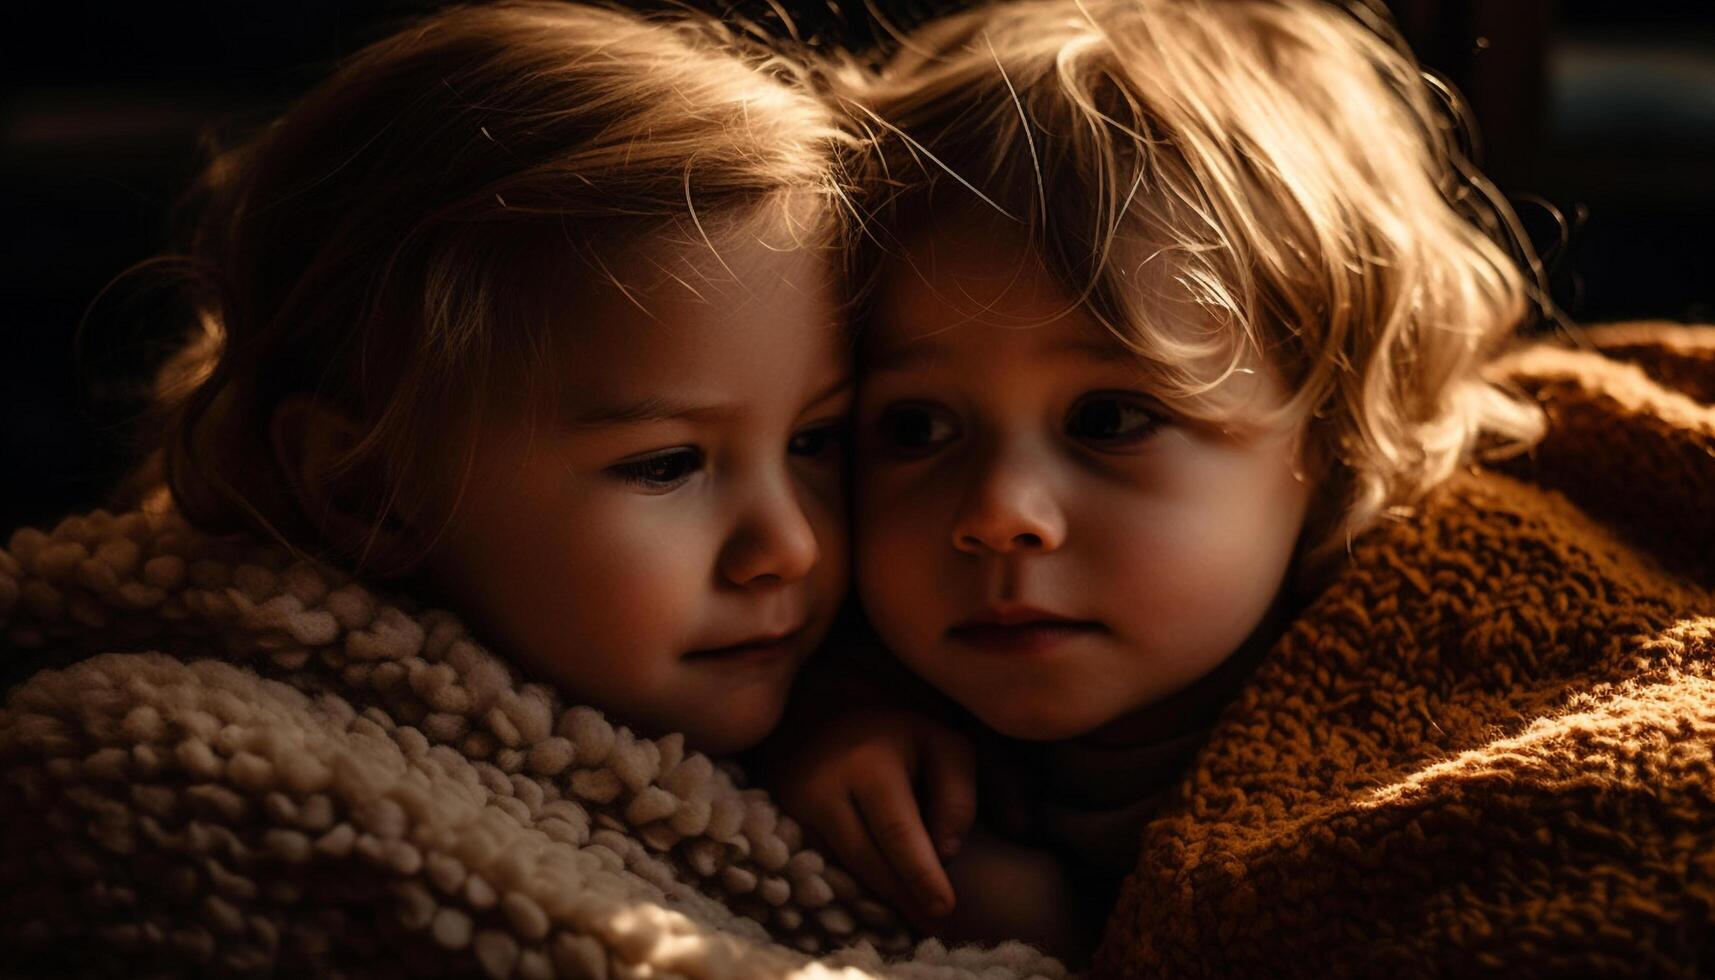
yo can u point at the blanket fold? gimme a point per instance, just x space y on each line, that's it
1489 746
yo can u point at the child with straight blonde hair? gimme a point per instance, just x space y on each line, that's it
503 477
1175 304
492 306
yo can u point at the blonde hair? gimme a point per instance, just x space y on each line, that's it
1293 165
386 244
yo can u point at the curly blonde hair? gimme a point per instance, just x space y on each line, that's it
1292 165
386 245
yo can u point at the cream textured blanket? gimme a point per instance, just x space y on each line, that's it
245 765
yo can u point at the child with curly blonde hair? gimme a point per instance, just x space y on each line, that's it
1172 300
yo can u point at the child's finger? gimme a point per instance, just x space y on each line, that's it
846 836
889 810
950 784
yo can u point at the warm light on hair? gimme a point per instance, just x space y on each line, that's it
389 244
1281 166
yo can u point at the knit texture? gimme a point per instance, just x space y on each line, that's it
239 764
1486 748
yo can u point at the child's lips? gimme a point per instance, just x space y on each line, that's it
1021 630
763 648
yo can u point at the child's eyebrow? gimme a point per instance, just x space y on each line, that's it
900 357
652 408
662 408
1107 351
841 385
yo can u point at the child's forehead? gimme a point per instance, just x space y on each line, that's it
674 314
925 315
670 270
981 269
974 291
748 328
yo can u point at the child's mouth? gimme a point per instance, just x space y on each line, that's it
760 649
1021 633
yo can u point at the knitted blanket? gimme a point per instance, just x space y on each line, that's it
240 764
1489 746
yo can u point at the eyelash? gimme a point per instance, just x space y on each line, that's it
644 472
887 426
830 433
1154 419
888 423
641 472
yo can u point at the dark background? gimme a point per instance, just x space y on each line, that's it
1597 119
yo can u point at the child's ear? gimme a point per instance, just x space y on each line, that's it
340 500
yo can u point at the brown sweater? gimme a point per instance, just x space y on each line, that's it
1489 746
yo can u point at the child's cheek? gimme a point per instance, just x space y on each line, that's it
895 567
825 506
645 580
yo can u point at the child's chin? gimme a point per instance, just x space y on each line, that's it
741 729
1047 725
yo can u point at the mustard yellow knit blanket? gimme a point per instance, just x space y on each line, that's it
1488 748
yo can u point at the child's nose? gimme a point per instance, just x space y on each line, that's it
1009 510
773 543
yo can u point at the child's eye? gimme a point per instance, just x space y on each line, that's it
816 440
915 429
660 471
1112 418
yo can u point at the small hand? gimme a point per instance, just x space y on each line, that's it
1017 891
855 783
